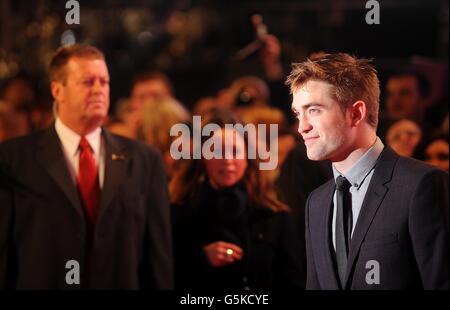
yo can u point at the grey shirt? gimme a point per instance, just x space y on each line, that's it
359 176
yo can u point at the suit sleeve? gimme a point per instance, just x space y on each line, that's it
312 282
428 224
159 235
290 269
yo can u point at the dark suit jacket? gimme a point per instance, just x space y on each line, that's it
403 226
42 223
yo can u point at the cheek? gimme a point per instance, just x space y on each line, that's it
329 129
77 96
415 141
329 123
241 166
106 92
212 167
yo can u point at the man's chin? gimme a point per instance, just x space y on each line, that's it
315 157
97 119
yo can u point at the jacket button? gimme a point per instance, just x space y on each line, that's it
260 236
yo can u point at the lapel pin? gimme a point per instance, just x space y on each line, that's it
118 157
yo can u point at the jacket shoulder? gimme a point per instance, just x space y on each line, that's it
410 167
133 146
20 146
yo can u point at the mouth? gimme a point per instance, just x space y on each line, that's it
310 140
227 172
96 104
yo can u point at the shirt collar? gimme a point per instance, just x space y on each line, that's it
361 169
71 140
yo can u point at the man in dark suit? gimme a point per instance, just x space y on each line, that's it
80 207
382 221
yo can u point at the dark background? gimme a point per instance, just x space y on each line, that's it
194 42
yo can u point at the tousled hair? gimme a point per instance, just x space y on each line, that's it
352 79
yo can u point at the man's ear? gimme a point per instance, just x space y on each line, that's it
358 112
57 89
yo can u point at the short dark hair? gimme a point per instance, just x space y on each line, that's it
152 75
63 54
423 83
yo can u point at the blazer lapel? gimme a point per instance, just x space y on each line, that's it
372 201
51 157
116 163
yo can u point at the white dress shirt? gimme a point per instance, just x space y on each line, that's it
70 142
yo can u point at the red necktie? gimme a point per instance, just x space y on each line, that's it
88 184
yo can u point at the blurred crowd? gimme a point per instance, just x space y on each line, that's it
411 124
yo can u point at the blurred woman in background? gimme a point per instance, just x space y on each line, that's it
158 116
230 230
436 151
404 137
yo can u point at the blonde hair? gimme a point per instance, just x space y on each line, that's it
158 117
263 115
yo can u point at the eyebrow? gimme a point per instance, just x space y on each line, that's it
90 77
308 105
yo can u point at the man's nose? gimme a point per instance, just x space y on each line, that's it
304 125
97 87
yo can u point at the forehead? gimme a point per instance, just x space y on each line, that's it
407 125
77 66
438 146
228 135
397 82
312 92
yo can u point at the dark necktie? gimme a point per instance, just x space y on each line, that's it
88 184
344 223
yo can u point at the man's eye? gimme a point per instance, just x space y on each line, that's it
87 82
313 111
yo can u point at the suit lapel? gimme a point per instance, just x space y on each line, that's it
372 201
51 157
116 163
325 242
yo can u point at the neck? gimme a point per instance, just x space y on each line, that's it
358 151
80 128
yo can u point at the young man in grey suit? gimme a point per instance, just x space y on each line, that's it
80 207
382 222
